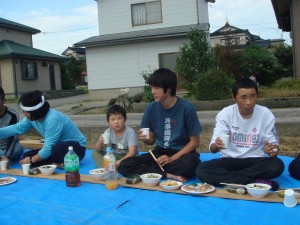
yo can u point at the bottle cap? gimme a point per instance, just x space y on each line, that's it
70 148
108 149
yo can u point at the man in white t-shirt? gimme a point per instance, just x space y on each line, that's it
253 146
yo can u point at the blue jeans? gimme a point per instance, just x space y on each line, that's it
16 152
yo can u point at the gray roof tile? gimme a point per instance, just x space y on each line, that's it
142 35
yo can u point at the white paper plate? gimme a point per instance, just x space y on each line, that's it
198 188
7 180
170 188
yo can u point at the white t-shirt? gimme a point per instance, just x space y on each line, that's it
247 136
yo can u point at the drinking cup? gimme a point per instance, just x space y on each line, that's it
106 138
4 165
146 132
289 198
25 168
111 180
225 139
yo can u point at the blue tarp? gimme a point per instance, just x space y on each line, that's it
44 201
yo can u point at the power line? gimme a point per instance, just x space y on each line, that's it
65 31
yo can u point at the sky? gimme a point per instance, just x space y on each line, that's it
65 22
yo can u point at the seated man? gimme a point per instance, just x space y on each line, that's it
175 128
10 148
294 168
252 135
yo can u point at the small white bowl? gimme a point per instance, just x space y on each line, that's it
98 174
151 179
170 185
47 169
258 190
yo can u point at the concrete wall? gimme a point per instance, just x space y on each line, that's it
296 35
16 36
6 76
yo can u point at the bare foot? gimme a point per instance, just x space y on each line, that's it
179 178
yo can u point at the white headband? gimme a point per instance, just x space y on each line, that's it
30 109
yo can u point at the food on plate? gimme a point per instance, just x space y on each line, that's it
198 188
169 183
152 176
7 180
258 186
98 171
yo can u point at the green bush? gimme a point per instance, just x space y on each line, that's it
147 97
213 85
287 83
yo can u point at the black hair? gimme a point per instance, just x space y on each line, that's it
244 82
31 99
164 78
2 94
116 109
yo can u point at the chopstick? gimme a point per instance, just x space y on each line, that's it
238 185
155 160
285 189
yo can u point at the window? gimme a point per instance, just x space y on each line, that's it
146 13
29 70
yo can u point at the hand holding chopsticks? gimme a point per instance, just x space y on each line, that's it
155 160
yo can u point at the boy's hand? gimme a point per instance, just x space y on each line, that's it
271 149
219 143
163 160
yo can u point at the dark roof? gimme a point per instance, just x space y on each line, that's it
142 35
282 13
10 49
80 51
17 26
227 28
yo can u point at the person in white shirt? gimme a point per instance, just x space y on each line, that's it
253 146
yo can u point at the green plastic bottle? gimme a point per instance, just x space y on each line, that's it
71 164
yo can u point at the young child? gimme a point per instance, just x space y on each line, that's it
122 138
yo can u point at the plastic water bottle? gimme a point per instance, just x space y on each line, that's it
109 160
71 163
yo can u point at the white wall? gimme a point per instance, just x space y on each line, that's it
115 16
119 66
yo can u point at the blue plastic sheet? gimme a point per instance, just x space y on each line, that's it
45 201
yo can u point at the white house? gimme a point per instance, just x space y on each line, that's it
135 35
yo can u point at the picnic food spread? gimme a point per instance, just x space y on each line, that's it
218 192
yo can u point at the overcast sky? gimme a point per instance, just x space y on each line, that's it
65 22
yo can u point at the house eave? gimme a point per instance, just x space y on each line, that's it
282 14
139 36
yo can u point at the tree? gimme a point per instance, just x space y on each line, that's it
213 85
261 63
284 56
228 55
67 82
195 58
74 68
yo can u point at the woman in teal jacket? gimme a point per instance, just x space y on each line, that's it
58 131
